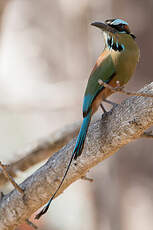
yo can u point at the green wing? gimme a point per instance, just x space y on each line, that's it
105 71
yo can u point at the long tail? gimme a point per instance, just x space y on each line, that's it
82 136
76 152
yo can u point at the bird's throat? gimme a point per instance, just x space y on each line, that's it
112 43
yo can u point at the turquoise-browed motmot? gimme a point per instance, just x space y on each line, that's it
115 65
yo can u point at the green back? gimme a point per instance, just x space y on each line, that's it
104 71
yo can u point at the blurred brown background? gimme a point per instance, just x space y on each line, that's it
47 51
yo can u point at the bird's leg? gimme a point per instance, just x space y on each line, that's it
103 109
110 102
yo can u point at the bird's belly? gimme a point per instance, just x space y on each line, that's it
100 97
125 67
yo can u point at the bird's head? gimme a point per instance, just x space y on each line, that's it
114 29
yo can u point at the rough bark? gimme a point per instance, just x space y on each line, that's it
123 124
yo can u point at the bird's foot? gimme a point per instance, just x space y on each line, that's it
108 102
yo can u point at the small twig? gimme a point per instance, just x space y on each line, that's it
147 135
41 150
122 91
31 224
87 178
4 168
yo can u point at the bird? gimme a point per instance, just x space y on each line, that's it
116 64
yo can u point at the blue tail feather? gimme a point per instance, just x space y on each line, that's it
76 152
82 136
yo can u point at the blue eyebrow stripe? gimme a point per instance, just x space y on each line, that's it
119 21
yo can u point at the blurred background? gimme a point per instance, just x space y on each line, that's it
47 51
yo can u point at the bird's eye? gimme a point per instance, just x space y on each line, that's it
121 26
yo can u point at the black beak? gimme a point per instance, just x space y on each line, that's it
99 25
104 27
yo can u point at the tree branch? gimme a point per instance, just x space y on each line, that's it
123 124
40 151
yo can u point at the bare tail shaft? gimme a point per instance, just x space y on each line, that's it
76 152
